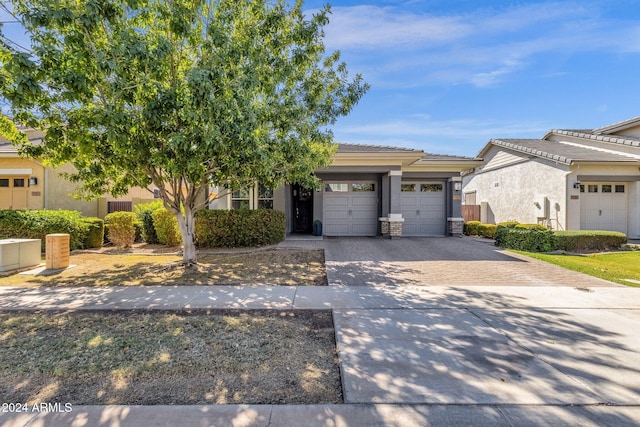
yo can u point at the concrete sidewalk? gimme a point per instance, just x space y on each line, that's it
411 356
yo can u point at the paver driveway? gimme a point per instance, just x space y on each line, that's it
445 261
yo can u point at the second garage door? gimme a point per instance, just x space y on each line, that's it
350 209
603 206
423 208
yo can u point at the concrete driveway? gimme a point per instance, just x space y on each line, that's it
446 261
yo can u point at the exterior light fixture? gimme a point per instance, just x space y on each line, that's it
33 181
576 185
457 186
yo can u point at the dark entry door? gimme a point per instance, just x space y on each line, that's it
302 209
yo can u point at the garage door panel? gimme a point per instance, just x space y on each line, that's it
423 211
336 200
351 213
606 208
364 201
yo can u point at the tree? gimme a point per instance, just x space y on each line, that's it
181 94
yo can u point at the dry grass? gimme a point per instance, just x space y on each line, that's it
151 358
284 267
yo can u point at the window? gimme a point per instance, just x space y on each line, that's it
4 182
265 197
430 188
582 188
606 188
240 199
591 188
407 187
156 193
18 182
619 188
357 188
332 188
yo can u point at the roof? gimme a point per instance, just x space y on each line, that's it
562 152
616 127
365 148
447 158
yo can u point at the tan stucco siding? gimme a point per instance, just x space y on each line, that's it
60 193
35 193
512 192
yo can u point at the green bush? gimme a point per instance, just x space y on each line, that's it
589 240
121 228
532 226
36 224
507 224
144 212
525 239
487 230
95 232
166 226
470 228
237 228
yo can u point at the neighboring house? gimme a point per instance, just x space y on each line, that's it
568 180
364 184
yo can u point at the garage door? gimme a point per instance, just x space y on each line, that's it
350 208
13 192
604 206
423 208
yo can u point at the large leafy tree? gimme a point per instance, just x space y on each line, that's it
181 94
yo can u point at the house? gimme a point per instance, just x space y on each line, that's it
568 180
368 190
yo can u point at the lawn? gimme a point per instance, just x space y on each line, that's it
153 358
615 267
283 267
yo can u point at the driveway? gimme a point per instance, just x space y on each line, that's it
440 261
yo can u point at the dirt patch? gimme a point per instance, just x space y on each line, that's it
153 358
275 266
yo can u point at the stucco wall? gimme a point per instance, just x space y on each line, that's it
511 191
35 193
60 193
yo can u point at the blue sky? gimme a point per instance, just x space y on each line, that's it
449 75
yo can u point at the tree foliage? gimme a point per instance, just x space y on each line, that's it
181 94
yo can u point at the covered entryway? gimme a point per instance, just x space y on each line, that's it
13 192
423 208
604 206
350 208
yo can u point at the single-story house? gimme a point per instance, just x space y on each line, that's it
365 191
568 180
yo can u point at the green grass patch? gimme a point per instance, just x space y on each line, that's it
615 267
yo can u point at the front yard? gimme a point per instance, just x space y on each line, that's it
619 267
147 358
284 267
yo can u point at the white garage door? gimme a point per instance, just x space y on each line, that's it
423 208
350 208
604 206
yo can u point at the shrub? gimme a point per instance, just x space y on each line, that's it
237 228
471 228
532 226
95 232
166 226
487 230
524 239
589 240
121 228
143 213
507 224
36 224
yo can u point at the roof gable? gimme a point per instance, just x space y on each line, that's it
629 127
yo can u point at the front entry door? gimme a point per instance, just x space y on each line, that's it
302 209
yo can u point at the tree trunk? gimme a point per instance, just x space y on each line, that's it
186 222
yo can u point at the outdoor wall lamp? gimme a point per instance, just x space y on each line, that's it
457 186
33 181
576 185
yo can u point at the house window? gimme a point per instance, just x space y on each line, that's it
582 188
606 188
241 199
358 188
619 188
430 188
18 182
4 182
407 187
339 188
592 188
156 193
265 197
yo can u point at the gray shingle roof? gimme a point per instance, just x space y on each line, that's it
562 153
634 121
587 134
363 148
447 157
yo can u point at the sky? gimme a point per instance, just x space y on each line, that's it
446 76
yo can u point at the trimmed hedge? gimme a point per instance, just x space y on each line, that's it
144 212
36 224
95 232
507 224
121 228
237 228
487 230
589 240
532 226
166 226
470 228
476 228
526 239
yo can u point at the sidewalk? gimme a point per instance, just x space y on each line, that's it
410 356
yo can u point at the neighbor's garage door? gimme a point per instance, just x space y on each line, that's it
423 208
13 192
604 206
350 208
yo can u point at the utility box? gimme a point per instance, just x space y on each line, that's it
57 251
19 253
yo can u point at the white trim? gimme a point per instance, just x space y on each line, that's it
453 218
395 173
10 171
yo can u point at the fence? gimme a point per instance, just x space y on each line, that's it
471 212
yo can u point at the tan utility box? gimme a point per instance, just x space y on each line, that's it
57 251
